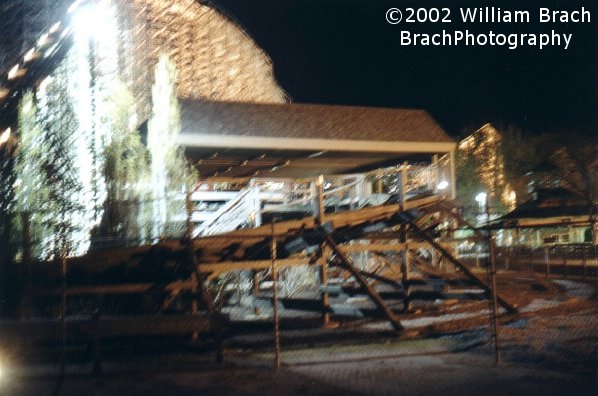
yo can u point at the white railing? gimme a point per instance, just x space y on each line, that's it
229 216
223 210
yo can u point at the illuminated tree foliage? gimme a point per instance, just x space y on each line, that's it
170 173
481 163
125 172
66 197
31 190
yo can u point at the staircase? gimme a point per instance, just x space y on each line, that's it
234 214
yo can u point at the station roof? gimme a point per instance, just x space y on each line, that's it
237 139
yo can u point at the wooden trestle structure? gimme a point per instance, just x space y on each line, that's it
325 240
392 227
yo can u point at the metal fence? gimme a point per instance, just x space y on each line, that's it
572 260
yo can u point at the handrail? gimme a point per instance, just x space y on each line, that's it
220 212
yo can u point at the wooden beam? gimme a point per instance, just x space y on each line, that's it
510 308
227 266
384 247
375 297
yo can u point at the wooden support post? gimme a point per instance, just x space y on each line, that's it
547 260
403 192
323 261
407 277
319 206
257 204
453 167
346 263
583 263
459 265
405 269
325 299
192 262
493 294
273 248
255 283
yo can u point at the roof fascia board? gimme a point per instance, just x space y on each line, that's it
283 143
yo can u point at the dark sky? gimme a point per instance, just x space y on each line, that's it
344 52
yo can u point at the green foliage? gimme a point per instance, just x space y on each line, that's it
31 192
171 176
469 183
521 152
59 126
125 170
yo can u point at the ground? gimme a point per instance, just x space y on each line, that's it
549 348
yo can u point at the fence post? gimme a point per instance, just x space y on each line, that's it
547 259
325 299
583 262
194 279
273 248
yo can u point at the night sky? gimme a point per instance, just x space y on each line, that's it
344 52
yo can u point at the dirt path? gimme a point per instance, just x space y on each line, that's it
550 348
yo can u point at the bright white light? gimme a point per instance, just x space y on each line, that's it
43 39
12 73
27 106
73 7
327 185
54 27
44 84
94 20
5 136
29 55
442 185
481 198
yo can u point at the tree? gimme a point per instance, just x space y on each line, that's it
481 165
125 171
170 174
521 152
66 197
32 192
577 168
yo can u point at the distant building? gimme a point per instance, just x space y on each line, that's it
553 215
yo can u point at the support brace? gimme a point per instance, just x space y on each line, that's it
419 232
345 262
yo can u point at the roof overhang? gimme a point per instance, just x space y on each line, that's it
251 156
341 145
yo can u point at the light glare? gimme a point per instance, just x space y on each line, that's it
12 73
54 27
481 198
29 55
442 185
43 39
73 7
44 84
5 136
